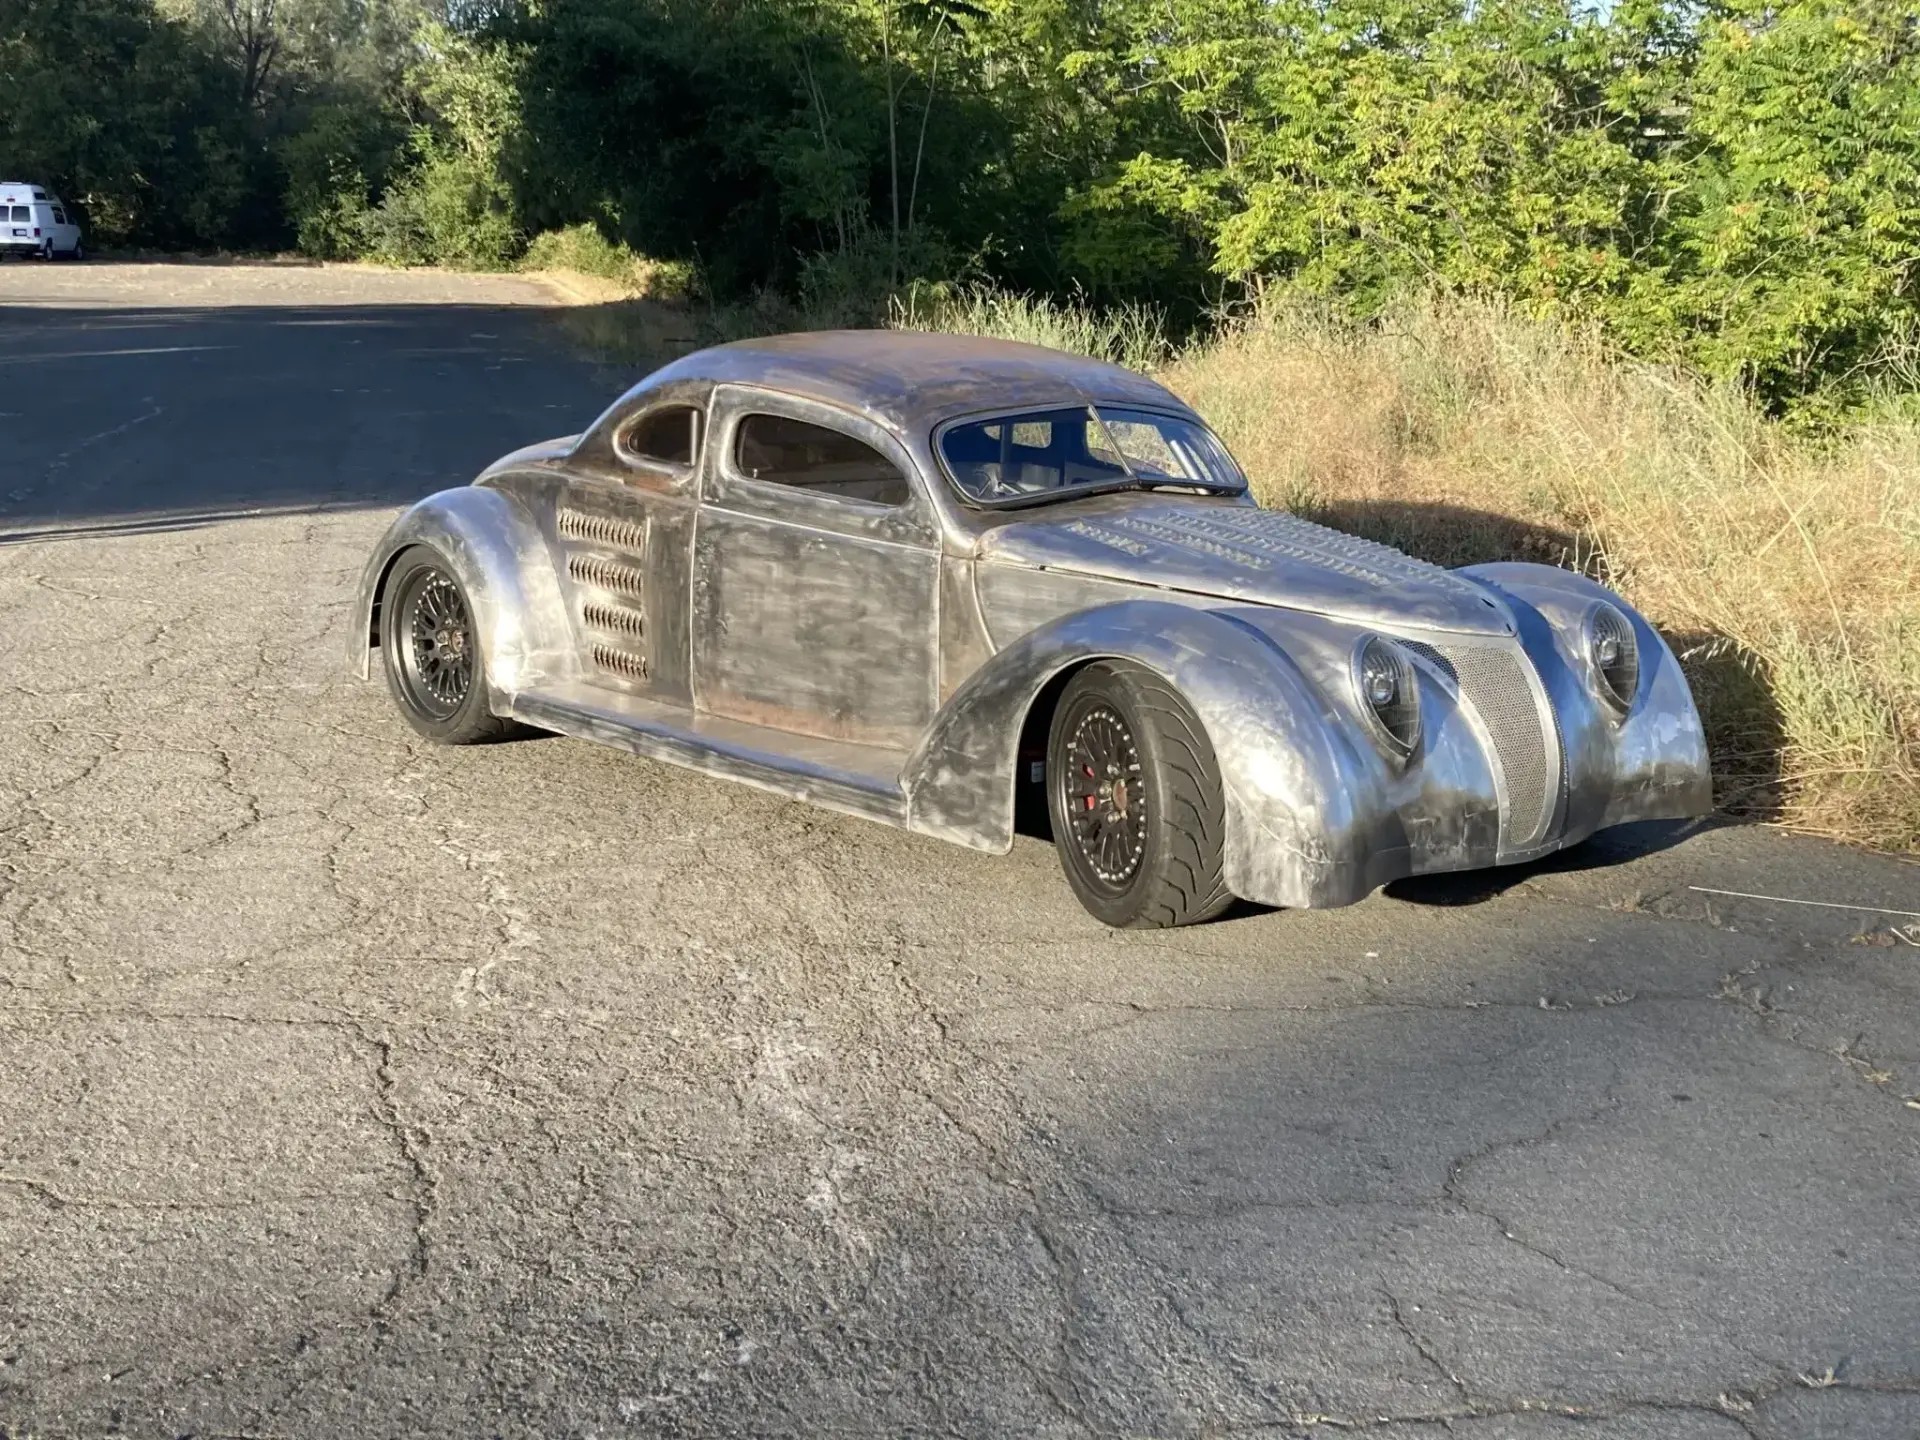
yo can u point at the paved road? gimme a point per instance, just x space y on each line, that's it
353 1087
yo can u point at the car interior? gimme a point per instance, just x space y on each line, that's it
779 450
1029 455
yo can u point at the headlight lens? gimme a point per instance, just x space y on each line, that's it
1388 692
1614 654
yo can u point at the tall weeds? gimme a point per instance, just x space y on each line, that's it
1784 569
1130 335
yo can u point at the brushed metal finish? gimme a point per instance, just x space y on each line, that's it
1498 687
810 612
838 777
1229 550
884 660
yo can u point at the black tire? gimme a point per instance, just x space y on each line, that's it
1134 794
78 253
430 644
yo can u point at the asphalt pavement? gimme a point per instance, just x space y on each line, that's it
351 1086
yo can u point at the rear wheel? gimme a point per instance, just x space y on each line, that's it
431 647
1134 794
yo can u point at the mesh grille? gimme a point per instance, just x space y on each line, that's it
621 662
1493 683
622 579
603 530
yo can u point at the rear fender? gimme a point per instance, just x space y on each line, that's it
1300 798
495 550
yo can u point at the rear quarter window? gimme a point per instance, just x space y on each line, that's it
667 436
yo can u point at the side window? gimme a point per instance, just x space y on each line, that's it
59 216
781 451
667 436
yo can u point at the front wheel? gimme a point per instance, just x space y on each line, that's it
431 648
1136 801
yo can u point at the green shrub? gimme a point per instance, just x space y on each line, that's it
584 250
446 211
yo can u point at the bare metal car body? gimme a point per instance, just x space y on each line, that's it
887 661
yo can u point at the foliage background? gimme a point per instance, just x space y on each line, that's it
1633 287
1733 185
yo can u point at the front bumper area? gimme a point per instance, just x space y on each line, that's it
1519 757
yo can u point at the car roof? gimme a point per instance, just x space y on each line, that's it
912 380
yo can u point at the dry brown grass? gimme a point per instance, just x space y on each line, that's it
1785 571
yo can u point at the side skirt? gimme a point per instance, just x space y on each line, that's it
858 780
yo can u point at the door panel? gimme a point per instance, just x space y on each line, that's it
811 631
813 612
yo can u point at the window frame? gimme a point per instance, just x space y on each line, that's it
737 434
675 470
725 486
1049 497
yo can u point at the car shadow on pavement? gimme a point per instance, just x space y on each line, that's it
1608 848
147 419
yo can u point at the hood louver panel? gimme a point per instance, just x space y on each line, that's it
607 575
1239 552
616 619
620 662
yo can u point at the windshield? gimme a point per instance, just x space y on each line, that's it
1031 456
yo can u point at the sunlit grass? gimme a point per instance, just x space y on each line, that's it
1784 569
1130 335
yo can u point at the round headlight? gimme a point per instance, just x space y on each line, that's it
1614 654
1384 677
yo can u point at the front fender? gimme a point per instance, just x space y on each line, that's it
1307 824
1650 765
496 551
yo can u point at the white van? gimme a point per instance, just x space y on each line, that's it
34 222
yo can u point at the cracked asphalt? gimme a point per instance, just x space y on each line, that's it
355 1087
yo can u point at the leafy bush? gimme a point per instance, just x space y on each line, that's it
583 250
448 210
332 165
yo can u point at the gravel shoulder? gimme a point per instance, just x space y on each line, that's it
354 1086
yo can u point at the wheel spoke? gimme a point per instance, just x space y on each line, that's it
1102 795
438 656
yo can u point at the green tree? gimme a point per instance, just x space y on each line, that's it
1796 246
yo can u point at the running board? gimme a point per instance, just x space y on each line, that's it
862 780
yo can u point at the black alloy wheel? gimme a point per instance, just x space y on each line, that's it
1103 795
431 647
1135 799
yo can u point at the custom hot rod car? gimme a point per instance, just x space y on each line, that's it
928 579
